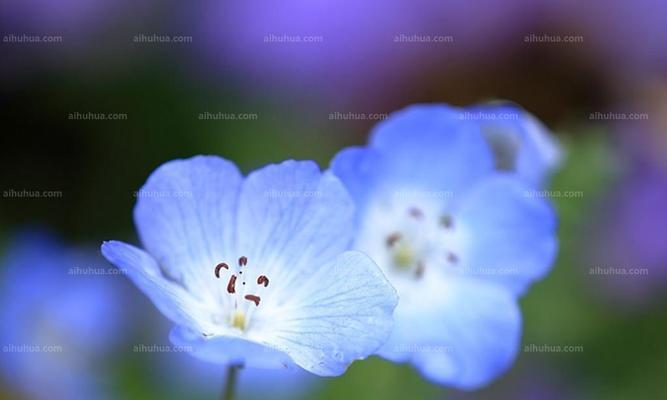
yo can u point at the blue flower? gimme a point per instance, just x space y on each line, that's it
56 325
518 140
254 271
458 239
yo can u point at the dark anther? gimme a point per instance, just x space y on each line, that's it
253 298
217 269
452 258
447 221
230 285
416 213
263 280
419 272
393 238
243 261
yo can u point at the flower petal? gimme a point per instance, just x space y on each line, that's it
432 146
520 141
185 216
458 332
292 218
510 233
169 297
423 148
229 350
359 169
336 314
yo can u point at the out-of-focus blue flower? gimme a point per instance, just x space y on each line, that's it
519 141
57 323
458 239
254 271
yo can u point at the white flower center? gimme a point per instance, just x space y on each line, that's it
409 240
243 300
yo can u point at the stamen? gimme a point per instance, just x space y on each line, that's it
253 298
218 267
452 258
230 285
419 272
263 280
446 221
393 238
243 261
416 213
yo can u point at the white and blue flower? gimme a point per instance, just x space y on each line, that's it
255 271
459 238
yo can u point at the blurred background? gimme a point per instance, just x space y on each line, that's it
97 93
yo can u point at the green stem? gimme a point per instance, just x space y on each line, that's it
230 382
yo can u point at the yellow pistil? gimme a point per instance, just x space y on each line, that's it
403 255
238 320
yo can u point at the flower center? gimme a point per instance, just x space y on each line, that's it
242 304
420 241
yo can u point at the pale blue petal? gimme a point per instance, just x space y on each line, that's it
168 296
186 216
520 142
433 147
339 312
292 219
359 168
510 233
459 332
228 350
423 147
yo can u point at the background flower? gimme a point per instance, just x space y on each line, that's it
423 187
62 319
